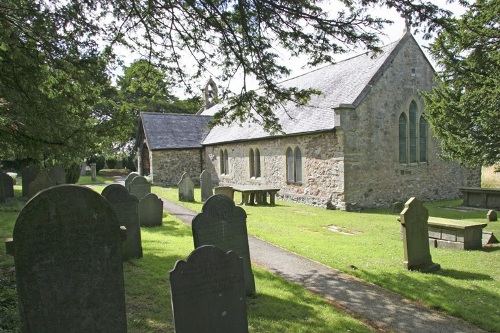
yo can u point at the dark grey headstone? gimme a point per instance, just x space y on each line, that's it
222 224
151 211
139 187
491 216
28 175
206 186
414 220
208 292
93 172
41 182
129 179
58 175
186 188
7 185
397 207
2 194
67 253
126 208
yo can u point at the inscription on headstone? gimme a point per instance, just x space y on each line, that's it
28 175
491 216
139 187
150 211
69 272
129 179
41 182
186 188
58 175
208 292
222 224
7 185
206 185
414 220
126 209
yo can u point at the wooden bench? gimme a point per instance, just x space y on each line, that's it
456 234
481 197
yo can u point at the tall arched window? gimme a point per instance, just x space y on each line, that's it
403 139
221 163
251 158
293 165
257 163
298 165
226 162
422 129
289 166
413 132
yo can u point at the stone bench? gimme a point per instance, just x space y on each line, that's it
455 234
481 197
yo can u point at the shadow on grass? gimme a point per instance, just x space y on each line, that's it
461 275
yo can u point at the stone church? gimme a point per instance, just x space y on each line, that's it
362 143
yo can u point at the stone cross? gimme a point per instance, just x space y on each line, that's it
222 224
415 230
208 292
206 185
186 188
67 255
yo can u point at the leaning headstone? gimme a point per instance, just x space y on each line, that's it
28 175
93 172
7 185
126 209
222 224
491 216
69 273
151 211
41 182
186 188
58 175
208 292
414 221
139 187
206 186
129 179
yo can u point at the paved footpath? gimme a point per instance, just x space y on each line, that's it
385 310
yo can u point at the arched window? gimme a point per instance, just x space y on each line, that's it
251 159
403 139
422 129
413 132
289 166
298 165
226 162
222 163
293 165
257 163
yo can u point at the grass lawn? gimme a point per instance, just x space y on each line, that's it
468 285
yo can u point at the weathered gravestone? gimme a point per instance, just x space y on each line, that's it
139 187
206 185
58 175
491 216
67 254
222 224
129 179
41 182
415 230
2 193
93 171
397 207
150 211
186 188
83 171
126 208
208 292
28 175
7 185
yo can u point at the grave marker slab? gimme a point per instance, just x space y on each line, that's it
126 209
222 224
129 179
491 216
206 185
7 185
58 175
2 194
139 187
41 182
208 292
93 172
69 273
414 220
151 211
186 188
28 175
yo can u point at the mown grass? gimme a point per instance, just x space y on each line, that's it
467 282
280 306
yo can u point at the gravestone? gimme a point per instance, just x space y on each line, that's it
129 179
491 216
151 211
208 292
83 171
7 185
397 207
93 172
222 224
126 209
228 191
2 193
206 185
139 187
28 175
58 175
415 230
69 273
186 188
41 182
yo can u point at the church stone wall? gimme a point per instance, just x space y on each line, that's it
167 166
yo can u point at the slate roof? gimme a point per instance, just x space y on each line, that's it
174 131
344 83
